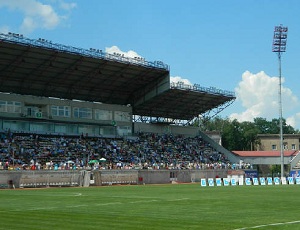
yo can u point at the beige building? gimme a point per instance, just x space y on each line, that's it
271 142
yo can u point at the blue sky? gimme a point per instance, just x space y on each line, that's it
224 44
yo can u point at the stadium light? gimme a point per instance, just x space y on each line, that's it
279 46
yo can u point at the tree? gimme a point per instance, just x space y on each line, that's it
232 137
243 135
262 125
273 126
250 132
231 132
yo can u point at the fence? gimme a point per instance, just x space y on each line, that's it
67 178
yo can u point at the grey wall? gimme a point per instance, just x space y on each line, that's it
45 178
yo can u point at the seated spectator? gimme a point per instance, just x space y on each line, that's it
145 151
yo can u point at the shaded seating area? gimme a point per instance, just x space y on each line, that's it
142 151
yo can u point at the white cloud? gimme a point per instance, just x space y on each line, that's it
115 49
67 6
294 121
259 95
179 79
133 54
28 25
36 14
4 29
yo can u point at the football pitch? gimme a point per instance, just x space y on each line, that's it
172 206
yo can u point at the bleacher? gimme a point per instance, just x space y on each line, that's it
146 150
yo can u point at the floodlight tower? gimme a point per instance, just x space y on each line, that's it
279 46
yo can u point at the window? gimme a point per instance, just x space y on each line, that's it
293 147
285 146
274 147
3 106
60 111
85 113
17 107
10 106
122 116
103 115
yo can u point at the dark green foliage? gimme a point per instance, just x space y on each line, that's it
272 127
243 135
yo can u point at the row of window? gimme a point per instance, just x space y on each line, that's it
87 113
285 147
10 106
74 129
65 111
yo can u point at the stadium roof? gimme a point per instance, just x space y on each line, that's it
183 102
42 68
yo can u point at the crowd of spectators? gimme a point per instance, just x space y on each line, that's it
144 151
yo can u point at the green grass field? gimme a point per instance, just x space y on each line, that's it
173 206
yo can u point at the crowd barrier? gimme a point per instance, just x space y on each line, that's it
111 177
41 178
66 178
210 182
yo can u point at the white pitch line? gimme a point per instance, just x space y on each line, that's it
39 208
108 203
136 197
266 225
180 199
76 206
142 201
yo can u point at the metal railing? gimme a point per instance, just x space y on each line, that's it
94 53
199 88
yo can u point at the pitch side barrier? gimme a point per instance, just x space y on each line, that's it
84 178
256 181
161 176
41 178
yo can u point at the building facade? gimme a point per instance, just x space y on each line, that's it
23 113
271 142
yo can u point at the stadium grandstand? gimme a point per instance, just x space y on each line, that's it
51 92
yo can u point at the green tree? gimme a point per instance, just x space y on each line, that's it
243 135
250 132
232 136
262 125
215 124
273 126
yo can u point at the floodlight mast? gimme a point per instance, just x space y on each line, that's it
279 46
